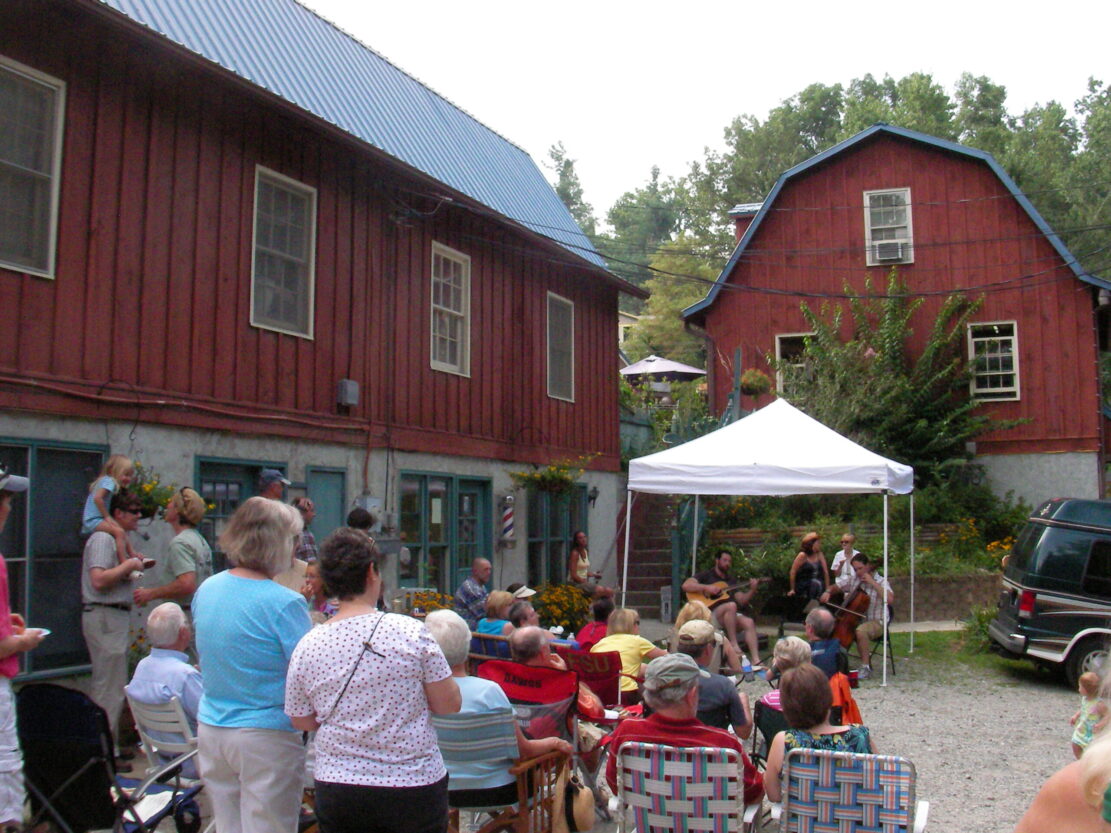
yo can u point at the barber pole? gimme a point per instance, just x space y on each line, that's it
507 522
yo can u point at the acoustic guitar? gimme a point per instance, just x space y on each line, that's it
723 592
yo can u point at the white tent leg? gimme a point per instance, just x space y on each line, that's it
912 555
629 495
694 538
886 644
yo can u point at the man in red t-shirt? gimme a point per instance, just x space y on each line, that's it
14 640
671 690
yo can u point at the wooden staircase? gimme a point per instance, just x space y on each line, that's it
650 548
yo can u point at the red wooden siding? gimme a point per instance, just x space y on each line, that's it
151 299
968 232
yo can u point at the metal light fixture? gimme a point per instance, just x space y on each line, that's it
592 495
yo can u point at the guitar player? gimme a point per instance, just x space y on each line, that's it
729 610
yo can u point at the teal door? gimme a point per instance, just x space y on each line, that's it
472 526
327 488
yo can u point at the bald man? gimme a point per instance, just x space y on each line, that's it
470 598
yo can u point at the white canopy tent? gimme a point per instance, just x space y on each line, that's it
777 450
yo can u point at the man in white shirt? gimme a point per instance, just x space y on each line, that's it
879 594
842 562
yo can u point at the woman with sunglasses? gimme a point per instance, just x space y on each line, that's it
251 757
367 682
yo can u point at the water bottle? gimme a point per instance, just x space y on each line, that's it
746 670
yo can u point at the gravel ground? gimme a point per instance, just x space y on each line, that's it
982 744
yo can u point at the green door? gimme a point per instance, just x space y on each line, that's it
472 524
445 524
327 489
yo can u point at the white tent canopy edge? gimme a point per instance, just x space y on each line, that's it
777 450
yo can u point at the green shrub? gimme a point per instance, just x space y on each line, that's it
976 637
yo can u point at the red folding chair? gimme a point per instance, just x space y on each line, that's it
544 699
601 672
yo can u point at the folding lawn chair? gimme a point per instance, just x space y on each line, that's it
767 723
671 788
470 738
166 736
70 770
601 672
849 793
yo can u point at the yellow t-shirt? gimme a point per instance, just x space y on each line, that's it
633 650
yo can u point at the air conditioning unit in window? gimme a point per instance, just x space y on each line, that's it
890 251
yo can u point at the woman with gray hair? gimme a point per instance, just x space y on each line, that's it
487 783
247 627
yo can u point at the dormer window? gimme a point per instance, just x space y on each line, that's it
888 234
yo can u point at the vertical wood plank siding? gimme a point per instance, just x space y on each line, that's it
152 292
968 232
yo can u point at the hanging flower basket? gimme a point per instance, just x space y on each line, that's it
755 382
153 494
557 478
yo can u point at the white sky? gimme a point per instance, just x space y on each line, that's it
629 85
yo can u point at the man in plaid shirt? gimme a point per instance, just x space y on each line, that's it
470 598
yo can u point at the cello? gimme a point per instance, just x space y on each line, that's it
852 614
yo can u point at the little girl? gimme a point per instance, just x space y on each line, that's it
117 474
1091 717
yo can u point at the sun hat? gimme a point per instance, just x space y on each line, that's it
190 505
12 482
523 592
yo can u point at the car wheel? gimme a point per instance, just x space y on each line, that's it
1088 655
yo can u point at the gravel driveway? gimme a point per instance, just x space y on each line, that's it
983 742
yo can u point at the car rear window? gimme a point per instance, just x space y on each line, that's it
1053 557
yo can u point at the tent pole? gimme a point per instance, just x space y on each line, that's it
694 538
625 562
912 572
886 643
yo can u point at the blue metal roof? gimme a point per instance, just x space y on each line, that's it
913 135
292 52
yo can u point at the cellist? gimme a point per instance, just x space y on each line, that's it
865 578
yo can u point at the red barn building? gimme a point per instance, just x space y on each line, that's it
233 237
950 219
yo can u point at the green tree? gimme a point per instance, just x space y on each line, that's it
680 278
570 189
867 387
981 119
642 220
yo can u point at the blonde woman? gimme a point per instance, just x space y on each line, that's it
789 652
623 636
1077 793
247 627
496 621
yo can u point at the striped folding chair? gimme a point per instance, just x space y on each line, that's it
672 788
490 736
845 792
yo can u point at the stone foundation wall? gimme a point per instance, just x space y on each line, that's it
943 598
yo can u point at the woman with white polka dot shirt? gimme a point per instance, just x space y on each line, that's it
368 682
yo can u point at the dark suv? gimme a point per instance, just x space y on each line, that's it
1055 606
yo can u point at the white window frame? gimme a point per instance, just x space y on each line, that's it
463 367
1006 394
553 297
779 356
907 239
59 88
281 181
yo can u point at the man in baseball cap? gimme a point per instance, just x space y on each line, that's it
272 483
15 638
671 690
719 704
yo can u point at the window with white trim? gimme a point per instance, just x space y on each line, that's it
31 108
789 348
888 232
561 348
993 354
282 276
451 310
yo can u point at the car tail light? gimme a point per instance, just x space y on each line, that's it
1026 604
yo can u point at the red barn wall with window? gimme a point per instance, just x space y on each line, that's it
150 302
969 234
